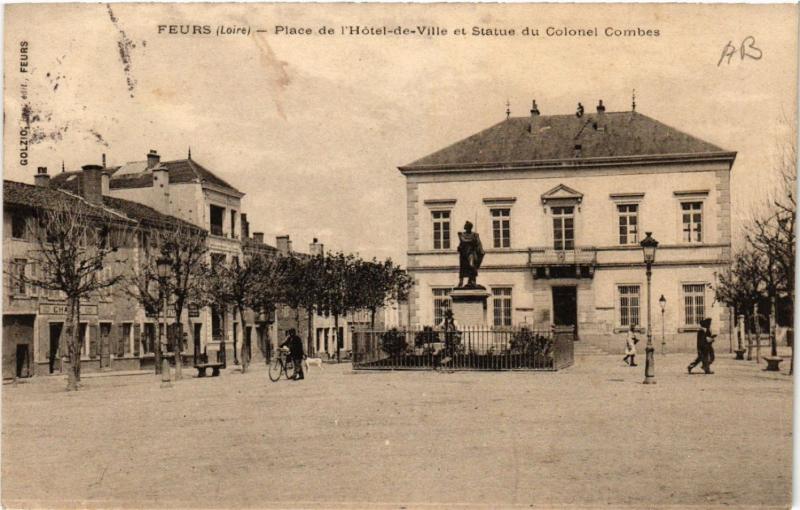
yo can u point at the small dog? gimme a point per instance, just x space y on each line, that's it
312 361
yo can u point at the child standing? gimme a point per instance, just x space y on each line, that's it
630 347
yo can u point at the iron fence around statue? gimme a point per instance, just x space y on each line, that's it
468 348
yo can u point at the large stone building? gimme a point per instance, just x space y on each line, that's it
561 203
115 330
187 190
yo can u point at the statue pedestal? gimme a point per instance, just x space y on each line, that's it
469 306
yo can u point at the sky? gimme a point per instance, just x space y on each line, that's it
313 128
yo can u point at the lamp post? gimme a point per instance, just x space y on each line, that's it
649 246
163 266
663 302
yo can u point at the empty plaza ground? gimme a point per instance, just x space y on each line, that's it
590 435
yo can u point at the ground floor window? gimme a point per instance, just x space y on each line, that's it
628 305
694 300
441 302
501 300
125 339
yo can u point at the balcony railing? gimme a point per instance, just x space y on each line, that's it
542 257
216 230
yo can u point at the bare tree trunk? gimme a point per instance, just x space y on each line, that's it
336 335
245 342
757 332
177 346
310 336
372 319
74 375
773 339
157 340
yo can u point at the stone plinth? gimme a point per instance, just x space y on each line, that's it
469 306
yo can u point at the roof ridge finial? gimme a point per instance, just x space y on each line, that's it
62 166
190 152
633 100
508 109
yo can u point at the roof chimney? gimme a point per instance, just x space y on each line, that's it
104 160
91 184
41 179
316 248
258 237
161 186
153 159
283 244
105 182
600 123
534 118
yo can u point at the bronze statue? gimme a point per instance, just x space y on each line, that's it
470 256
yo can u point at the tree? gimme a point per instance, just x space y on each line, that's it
772 235
142 284
309 286
76 254
267 294
378 284
740 285
239 287
185 247
338 296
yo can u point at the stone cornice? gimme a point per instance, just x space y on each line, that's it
660 159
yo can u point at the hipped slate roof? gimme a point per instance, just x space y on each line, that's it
180 171
25 195
555 137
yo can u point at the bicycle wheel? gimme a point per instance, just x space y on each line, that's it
275 369
288 368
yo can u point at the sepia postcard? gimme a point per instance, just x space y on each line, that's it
461 255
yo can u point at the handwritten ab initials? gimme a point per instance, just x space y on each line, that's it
746 50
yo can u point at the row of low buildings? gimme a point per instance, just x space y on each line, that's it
117 332
561 203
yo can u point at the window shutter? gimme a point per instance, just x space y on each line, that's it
120 341
137 338
93 340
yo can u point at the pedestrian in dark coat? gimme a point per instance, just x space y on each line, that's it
705 350
295 345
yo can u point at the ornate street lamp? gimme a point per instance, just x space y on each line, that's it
163 266
649 246
663 302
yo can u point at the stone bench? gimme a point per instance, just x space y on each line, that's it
201 369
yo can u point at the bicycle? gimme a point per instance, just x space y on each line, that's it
282 364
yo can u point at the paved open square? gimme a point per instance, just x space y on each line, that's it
588 435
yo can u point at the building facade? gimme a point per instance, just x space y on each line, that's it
189 191
561 204
116 332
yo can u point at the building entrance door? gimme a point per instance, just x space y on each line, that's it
105 345
54 354
565 307
17 346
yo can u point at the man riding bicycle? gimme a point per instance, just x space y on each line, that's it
295 345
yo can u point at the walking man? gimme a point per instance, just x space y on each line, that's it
705 349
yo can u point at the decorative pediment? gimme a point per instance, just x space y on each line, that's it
562 195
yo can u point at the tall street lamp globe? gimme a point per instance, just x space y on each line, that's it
663 302
649 246
163 265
